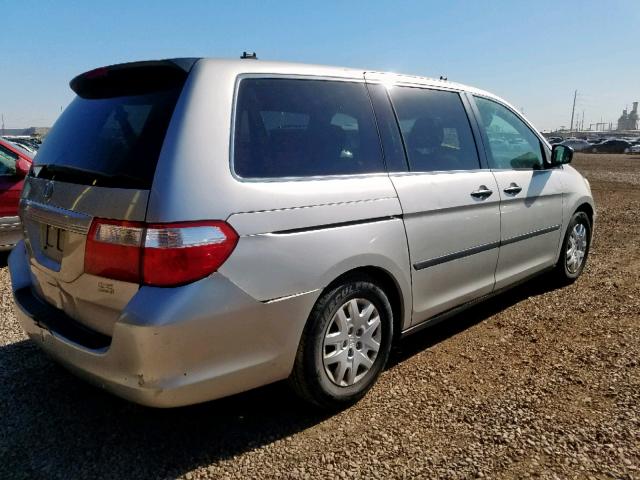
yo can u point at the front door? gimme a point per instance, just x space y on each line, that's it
530 193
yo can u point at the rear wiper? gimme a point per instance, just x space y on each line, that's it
87 177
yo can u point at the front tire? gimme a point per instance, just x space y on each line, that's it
575 249
345 345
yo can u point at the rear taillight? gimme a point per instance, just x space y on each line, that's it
114 250
157 254
184 252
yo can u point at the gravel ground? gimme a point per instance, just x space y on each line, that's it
535 383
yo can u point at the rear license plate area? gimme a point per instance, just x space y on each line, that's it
53 241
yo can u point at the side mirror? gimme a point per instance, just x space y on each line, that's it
561 155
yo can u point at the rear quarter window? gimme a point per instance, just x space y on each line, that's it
300 128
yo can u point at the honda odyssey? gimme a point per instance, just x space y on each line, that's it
194 228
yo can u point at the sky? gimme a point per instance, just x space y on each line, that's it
533 54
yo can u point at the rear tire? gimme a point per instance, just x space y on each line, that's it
575 249
345 345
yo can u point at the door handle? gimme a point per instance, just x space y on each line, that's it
482 192
513 189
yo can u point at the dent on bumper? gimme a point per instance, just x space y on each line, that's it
182 345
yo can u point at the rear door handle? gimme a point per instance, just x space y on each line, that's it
513 189
482 192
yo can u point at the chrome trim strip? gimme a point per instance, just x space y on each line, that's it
57 217
482 248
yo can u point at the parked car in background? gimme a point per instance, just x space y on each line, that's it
576 144
634 148
554 140
24 146
611 146
15 163
596 141
199 227
28 143
18 147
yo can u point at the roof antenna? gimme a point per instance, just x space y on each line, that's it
249 55
444 78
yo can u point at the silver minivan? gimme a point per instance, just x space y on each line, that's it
194 228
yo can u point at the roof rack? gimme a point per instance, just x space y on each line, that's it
249 56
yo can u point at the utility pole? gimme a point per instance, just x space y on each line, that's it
573 110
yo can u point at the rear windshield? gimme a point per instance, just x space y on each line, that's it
113 141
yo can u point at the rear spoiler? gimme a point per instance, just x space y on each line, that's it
133 78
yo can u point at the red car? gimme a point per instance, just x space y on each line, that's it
15 163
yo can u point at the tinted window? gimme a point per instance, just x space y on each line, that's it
511 143
292 128
436 130
115 141
394 156
7 161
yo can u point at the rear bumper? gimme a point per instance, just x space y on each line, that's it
10 232
172 347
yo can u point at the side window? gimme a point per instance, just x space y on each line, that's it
7 162
436 130
298 128
511 143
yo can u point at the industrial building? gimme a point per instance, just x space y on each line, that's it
629 120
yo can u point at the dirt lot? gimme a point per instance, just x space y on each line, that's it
534 383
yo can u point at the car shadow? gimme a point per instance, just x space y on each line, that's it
53 425
435 334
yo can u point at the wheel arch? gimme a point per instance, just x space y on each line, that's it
387 282
584 205
588 209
